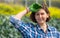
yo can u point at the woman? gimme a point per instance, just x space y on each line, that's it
41 30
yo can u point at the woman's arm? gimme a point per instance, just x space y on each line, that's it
17 22
21 14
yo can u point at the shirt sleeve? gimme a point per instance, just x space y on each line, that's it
20 25
59 34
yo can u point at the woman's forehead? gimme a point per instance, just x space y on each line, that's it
41 11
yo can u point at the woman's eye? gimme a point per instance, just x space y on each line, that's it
42 13
37 14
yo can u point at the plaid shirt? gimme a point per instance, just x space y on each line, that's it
28 30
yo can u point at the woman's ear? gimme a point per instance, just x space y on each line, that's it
47 15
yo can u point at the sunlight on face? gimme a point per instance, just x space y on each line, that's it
41 16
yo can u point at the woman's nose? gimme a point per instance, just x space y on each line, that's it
40 16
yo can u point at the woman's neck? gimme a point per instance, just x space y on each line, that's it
43 27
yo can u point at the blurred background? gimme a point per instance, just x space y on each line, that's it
12 7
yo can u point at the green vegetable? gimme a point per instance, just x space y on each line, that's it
35 7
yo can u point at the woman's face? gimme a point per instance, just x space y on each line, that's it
41 16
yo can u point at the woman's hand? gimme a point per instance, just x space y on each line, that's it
27 9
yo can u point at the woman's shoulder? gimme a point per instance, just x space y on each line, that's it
53 28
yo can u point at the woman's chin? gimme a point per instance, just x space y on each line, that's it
41 22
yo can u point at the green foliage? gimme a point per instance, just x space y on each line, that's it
7 30
55 22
